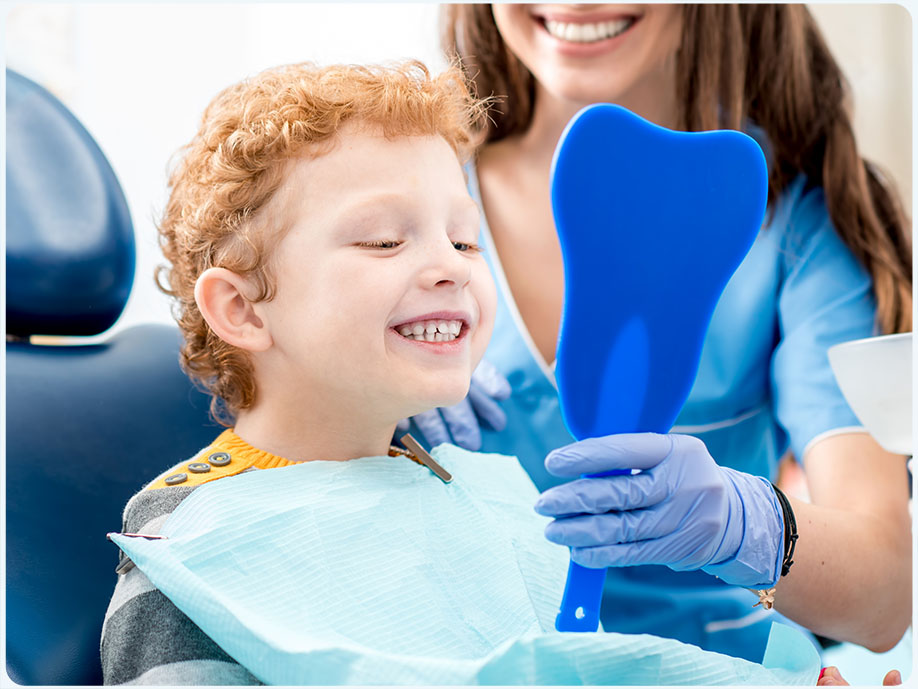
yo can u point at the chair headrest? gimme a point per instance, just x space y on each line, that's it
69 237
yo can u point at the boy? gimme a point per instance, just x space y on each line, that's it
323 261
327 283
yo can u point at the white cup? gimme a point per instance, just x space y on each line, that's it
875 376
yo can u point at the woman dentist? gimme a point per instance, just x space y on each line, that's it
702 523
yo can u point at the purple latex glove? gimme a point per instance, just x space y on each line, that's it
682 510
461 423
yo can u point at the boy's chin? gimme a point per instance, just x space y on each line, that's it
441 400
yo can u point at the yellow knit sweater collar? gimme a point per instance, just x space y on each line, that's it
238 448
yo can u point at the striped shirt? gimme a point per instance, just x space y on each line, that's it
145 638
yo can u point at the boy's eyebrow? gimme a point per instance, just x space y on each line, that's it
367 207
382 198
465 205
390 204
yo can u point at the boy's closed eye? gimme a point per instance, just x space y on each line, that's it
464 247
381 244
467 247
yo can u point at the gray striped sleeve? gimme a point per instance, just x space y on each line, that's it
150 641
150 504
145 514
145 638
196 672
130 585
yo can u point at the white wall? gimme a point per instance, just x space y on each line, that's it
873 46
139 76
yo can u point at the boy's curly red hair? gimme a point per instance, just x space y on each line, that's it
236 162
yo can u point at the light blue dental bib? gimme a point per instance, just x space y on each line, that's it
373 571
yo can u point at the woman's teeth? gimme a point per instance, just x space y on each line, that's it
431 331
587 33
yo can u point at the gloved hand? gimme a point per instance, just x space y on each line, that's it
462 421
682 510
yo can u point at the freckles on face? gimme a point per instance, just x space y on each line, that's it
382 233
328 322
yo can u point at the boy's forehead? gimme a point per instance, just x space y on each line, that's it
362 176
362 162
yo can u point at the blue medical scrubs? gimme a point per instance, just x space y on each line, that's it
764 386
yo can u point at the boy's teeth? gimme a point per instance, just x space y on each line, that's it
587 33
431 331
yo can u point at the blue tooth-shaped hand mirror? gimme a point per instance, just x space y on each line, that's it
652 224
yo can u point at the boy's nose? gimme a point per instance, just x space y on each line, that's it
447 267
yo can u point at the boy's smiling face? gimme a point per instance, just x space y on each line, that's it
381 251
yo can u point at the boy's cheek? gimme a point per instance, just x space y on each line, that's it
481 339
487 304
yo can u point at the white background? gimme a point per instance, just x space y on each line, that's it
139 76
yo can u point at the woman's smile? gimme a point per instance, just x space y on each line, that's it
584 33
583 53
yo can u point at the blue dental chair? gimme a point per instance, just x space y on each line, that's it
86 424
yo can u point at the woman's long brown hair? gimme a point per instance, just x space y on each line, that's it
767 64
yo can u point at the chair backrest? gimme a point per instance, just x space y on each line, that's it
87 424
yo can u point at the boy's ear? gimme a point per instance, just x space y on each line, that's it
220 296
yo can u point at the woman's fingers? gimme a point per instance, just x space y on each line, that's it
590 531
432 427
892 678
599 495
462 423
831 677
489 413
491 381
620 451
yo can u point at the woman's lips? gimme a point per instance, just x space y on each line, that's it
585 35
